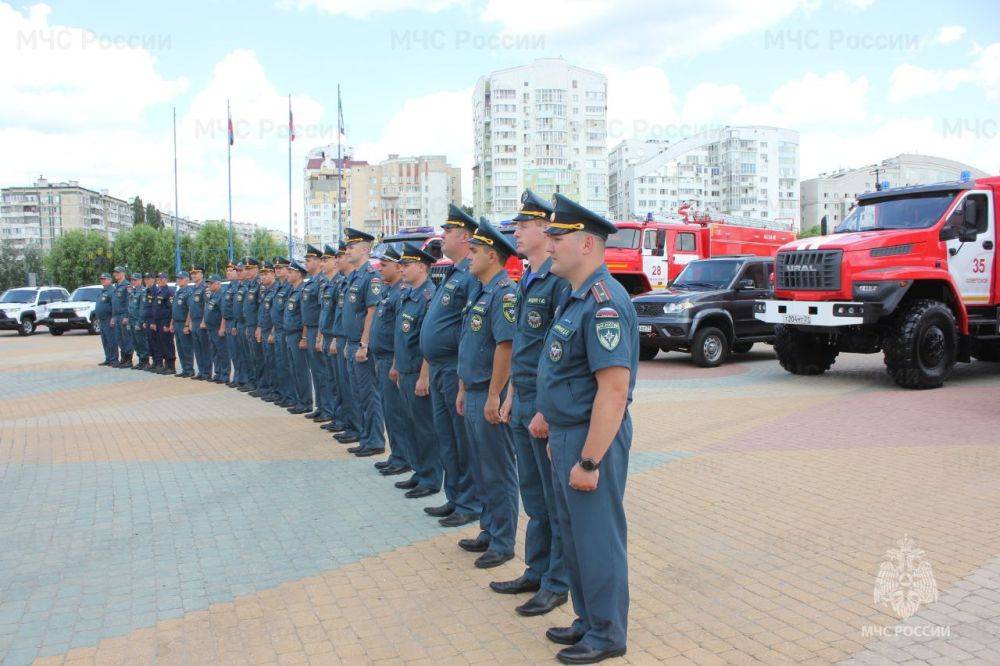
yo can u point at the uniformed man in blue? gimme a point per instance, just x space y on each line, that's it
149 323
229 323
439 345
162 315
350 415
484 352
312 291
539 291
364 291
265 326
136 298
199 334
119 313
103 312
252 352
586 376
328 402
180 326
211 323
282 391
240 374
413 374
295 340
382 342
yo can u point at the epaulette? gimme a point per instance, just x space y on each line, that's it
505 282
369 268
600 292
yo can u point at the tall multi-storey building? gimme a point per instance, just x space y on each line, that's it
541 126
742 171
40 213
833 194
326 182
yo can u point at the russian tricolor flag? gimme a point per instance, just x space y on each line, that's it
230 129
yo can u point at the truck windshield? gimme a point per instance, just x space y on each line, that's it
713 274
18 296
904 213
86 294
624 238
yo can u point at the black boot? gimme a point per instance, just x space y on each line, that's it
126 361
143 362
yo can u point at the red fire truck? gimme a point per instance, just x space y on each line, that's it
909 272
647 255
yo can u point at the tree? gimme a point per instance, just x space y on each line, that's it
210 247
263 245
16 264
138 212
78 257
810 232
33 261
153 217
145 249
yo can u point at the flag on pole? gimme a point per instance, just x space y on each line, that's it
340 115
291 123
230 125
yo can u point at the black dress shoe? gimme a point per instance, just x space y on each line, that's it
335 427
490 559
347 438
564 635
321 418
439 511
393 471
540 604
458 519
419 492
584 654
286 404
516 586
381 464
314 414
477 545
297 410
368 453
329 427
409 484
356 449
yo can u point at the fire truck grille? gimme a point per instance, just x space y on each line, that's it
815 270
649 309
438 273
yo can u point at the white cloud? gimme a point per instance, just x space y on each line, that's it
365 8
910 81
949 34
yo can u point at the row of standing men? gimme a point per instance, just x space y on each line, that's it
485 387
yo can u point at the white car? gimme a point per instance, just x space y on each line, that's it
24 308
77 312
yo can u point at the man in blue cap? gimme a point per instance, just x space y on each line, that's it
296 341
282 393
240 371
382 341
364 291
181 326
540 291
228 327
439 337
119 313
484 352
211 323
252 353
162 314
586 376
199 333
414 374
136 297
312 305
328 402
103 310
149 323
348 430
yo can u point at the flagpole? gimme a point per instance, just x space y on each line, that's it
340 165
229 175
290 242
177 229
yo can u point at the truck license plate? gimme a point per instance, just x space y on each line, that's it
796 319
60 319
645 328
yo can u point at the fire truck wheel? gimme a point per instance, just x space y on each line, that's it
802 353
920 344
742 347
710 347
648 352
984 351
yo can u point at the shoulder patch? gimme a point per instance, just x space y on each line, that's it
509 298
606 313
600 292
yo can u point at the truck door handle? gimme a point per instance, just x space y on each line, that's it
987 245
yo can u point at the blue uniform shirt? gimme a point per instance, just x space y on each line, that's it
197 303
229 300
278 305
338 314
293 310
119 302
148 302
412 308
103 308
538 296
384 322
489 320
182 303
213 310
312 290
251 303
238 298
364 290
443 321
328 304
164 301
594 328
136 296
264 321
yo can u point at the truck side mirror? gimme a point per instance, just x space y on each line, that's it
746 283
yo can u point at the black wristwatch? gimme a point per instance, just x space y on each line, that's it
589 464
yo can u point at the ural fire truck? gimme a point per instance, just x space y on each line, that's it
909 272
648 255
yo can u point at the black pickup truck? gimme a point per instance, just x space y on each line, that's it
708 310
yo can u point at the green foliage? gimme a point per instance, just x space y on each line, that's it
138 212
263 245
210 247
144 248
153 218
811 231
15 265
78 258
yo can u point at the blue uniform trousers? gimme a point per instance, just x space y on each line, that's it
165 339
254 355
396 430
185 348
593 530
123 335
202 350
494 473
139 341
298 369
453 440
108 340
153 342
333 380
220 354
233 345
423 447
369 401
281 360
317 369
266 384
542 543
351 408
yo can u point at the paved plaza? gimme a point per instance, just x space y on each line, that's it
146 518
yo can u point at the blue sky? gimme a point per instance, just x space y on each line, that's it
860 79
